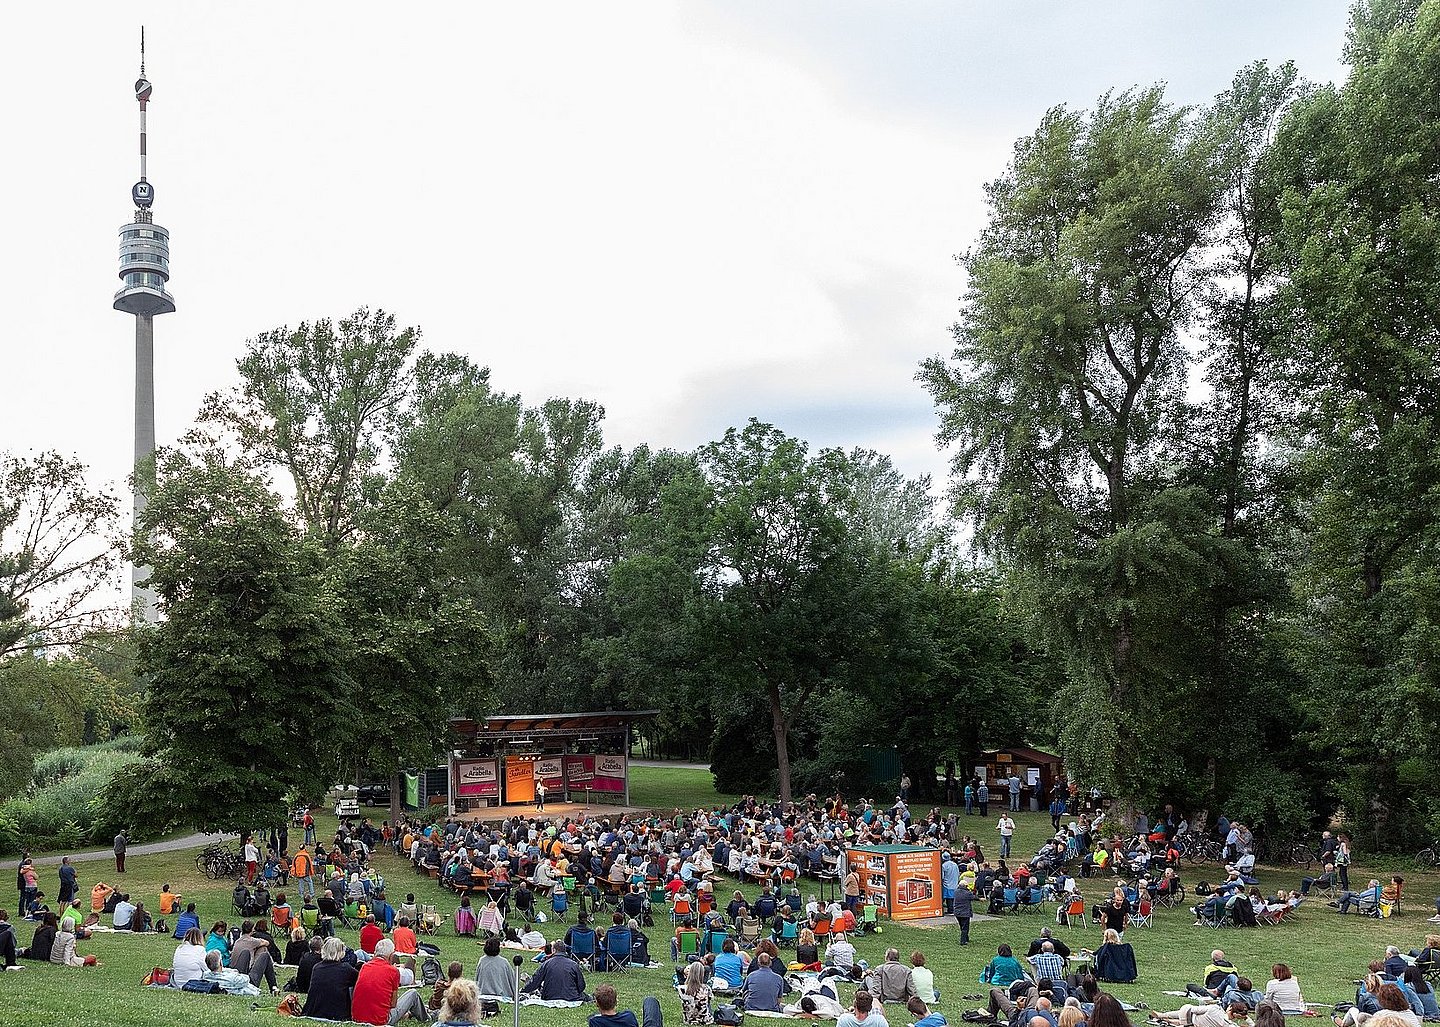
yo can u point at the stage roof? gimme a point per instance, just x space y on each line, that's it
549 724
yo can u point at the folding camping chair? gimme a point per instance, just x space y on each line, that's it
618 942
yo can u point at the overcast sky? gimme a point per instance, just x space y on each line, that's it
692 213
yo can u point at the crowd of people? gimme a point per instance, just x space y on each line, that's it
771 945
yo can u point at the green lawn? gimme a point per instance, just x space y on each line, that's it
1327 951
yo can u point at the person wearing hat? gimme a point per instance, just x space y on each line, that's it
559 978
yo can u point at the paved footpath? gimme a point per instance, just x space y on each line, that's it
190 841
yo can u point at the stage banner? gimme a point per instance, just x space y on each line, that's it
580 772
477 779
519 780
609 774
551 770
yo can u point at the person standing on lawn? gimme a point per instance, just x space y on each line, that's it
1006 827
964 909
982 796
121 844
69 882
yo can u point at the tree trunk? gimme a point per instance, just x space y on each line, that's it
397 782
782 750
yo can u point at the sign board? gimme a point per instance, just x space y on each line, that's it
597 773
551 770
519 780
904 881
1032 776
477 779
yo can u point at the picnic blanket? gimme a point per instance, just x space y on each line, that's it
785 1016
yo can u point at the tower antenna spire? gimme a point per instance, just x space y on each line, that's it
142 51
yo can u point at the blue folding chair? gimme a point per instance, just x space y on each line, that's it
582 945
617 948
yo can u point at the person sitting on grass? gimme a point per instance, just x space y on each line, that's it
559 978
891 981
43 941
862 1013
1204 1016
1003 970
330 984
377 997
764 987
461 1004
494 975
924 979
609 1013
305 969
233 982
252 955
730 966
187 921
188 963
63 953
1389 1002
917 1008
1243 992
1284 991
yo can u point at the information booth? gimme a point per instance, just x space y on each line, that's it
581 757
903 880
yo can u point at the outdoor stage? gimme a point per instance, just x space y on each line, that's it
553 810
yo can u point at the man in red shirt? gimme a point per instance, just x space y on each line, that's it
377 997
370 935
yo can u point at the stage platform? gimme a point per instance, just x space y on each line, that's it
492 815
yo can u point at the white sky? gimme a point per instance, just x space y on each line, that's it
690 212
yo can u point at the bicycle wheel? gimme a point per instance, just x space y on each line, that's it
200 863
1301 856
1427 858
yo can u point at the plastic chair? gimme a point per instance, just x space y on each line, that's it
682 910
870 918
1075 913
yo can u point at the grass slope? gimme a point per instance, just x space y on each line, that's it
1327 951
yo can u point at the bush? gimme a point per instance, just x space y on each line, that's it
137 798
64 808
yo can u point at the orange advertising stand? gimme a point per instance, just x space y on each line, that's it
903 880
519 780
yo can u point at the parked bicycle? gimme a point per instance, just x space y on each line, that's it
1429 859
216 861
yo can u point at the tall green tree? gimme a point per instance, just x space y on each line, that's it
1361 248
1063 401
246 672
319 401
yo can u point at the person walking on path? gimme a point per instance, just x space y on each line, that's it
121 844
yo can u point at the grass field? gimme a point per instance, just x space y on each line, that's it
1327 951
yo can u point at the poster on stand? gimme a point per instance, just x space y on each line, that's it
609 774
477 779
519 780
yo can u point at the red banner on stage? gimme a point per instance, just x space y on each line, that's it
477 779
597 773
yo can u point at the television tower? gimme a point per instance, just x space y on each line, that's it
144 268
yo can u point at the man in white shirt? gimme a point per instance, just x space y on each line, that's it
1006 827
124 910
252 860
